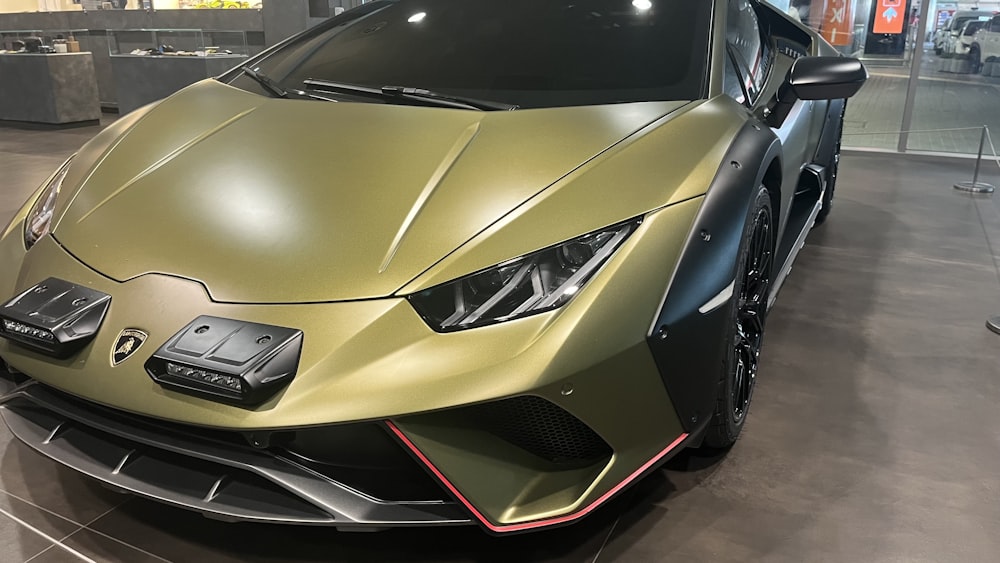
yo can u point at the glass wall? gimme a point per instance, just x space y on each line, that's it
958 90
934 80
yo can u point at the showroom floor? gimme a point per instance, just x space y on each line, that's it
871 437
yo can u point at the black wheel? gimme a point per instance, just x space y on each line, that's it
938 51
975 57
745 336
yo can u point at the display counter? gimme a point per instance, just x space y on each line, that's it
151 64
48 88
100 25
140 80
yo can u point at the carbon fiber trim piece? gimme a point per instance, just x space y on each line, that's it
222 481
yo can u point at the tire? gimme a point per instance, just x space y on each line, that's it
745 334
938 51
976 59
833 167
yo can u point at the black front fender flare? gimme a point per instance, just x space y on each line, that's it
687 341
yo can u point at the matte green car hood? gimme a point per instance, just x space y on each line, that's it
284 201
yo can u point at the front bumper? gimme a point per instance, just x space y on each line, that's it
376 363
215 476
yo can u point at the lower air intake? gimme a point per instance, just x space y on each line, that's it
542 428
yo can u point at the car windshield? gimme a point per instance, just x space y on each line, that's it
972 27
957 23
528 53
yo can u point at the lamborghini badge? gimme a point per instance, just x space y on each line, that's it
128 342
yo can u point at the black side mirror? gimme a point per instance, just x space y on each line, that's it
817 78
826 78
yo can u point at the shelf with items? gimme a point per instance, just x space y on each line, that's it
177 43
16 40
207 4
40 42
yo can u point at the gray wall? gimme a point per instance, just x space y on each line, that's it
284 18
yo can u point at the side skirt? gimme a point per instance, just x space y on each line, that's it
802 217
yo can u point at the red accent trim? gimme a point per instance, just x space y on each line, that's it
537 523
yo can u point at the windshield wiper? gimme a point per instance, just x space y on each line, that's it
267 83
445 99
418 94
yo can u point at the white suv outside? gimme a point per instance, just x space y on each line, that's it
962 44
948 33
986 42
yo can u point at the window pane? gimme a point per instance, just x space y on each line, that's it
875 115
957 92
732 83
743 33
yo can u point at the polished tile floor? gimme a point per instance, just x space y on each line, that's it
872 436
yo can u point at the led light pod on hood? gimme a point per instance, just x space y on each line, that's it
528 285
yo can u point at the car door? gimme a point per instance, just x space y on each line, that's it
991 36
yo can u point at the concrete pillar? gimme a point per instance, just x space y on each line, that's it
284 18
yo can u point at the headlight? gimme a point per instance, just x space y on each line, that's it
538 282
39 220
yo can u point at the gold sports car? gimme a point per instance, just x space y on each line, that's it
431 262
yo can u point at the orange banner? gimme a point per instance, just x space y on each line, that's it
838 22
890 17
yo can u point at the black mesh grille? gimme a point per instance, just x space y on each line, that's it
542 428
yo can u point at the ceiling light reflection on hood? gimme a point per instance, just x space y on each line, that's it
419 17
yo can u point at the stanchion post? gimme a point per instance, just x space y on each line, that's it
994 324
975 186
